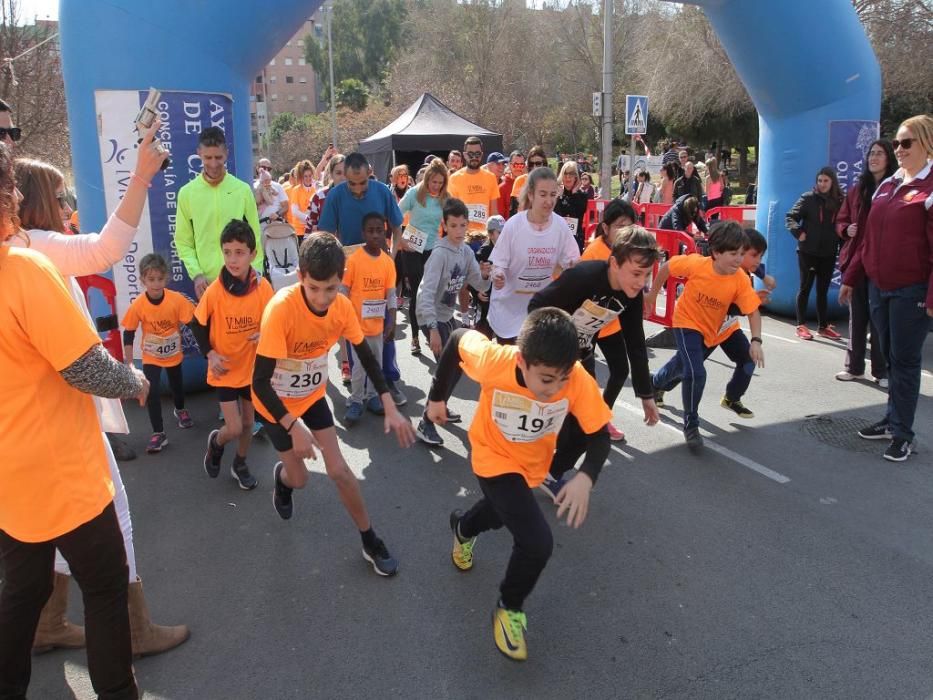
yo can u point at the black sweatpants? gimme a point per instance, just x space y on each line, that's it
154 400
819 269
614 352
508 500
413 265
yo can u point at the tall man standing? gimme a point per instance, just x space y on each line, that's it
205 206
475 187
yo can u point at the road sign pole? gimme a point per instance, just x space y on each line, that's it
605 160
631 164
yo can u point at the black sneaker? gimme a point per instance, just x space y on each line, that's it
736 407
281 494
213 455
898 450
244 479
878 431
453 417
427 433
383 563
659 398
693 438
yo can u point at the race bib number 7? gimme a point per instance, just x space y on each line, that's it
521 419
297 379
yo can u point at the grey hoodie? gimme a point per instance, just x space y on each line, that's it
445 272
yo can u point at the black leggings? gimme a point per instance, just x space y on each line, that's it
508 500
613 347
413 265
819 269
154 401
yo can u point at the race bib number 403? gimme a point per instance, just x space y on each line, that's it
521 419
160 347
297 379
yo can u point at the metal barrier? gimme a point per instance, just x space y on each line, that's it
671 243
109 325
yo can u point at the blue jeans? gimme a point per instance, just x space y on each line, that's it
900 316
686 368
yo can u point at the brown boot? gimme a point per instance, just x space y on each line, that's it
54 630
149 638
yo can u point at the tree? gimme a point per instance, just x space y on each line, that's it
34 87
367 36
352 94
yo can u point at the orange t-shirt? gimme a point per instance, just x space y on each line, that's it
369 280
704 304
299 340
598 250
53 468
161 341
512 432
478 191
299 196
518 185
233 321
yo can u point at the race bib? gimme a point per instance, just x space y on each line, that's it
572 223
374 308
521 419
477 213
160 347
297 379
416 239
590 318
531 280
728 323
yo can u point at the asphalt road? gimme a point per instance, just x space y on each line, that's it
775 565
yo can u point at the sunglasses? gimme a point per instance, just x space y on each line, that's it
536 163
903 143
473 154
265 167
518 166
13 132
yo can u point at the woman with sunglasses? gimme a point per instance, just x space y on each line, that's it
9 134
850 226
57 492
537 158
896 256
41 212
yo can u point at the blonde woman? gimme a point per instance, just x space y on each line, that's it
571 201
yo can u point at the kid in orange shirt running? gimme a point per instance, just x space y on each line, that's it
527 390
702 322
299 327
227 329
160 312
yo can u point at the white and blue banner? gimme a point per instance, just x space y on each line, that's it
183 115
849 142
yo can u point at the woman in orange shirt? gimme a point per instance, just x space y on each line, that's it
68 502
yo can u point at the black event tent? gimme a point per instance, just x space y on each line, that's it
427 127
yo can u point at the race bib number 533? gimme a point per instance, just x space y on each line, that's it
521 419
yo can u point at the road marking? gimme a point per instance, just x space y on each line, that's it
780 337
719 449
627 456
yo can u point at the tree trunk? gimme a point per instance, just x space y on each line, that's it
743 166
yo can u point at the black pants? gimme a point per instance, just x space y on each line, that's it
507 500
819 269
97 557
154 401
859 324
614 352
413 265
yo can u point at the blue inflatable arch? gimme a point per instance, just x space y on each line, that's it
804 64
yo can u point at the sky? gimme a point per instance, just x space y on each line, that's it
43 9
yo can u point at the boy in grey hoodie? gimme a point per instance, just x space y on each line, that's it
451 266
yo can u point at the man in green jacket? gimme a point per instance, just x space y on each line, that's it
205 206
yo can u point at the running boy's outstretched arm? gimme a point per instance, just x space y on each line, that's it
755 350
574 497
651 298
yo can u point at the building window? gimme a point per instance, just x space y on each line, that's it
289 79
274 96
272 79
259 98
291 98
304 98
288 61
302 79
301 60
259 79
272 62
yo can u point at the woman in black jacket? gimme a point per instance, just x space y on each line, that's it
572 201
689 183
812 222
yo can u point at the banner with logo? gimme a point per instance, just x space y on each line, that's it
183 116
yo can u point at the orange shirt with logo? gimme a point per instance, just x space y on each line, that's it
299 340
598 250
299 197
53 468
518 185
704 304
478 191
512 432
161 341
369 280
233 322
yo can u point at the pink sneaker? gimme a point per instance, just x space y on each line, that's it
803 333
156 443
829 332
183 418
615 434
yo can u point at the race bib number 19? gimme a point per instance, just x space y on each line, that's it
296 379
521 419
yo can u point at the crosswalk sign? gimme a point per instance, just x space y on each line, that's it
636 114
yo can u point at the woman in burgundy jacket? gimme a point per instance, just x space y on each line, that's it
897 258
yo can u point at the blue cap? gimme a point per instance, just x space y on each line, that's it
496 157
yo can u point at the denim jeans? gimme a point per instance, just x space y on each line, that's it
900 316
687 367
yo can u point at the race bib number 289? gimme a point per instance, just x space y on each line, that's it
521 419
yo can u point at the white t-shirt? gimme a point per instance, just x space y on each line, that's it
528 257
268 210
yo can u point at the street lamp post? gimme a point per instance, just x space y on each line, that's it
329 9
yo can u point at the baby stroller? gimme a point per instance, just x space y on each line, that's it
280 245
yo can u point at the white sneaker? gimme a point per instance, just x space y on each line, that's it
845 376
883 382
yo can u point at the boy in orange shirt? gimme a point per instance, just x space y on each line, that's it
227 328
527 391
299 327
161 312
369 281
702 322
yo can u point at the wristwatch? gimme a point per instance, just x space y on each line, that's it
755 338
